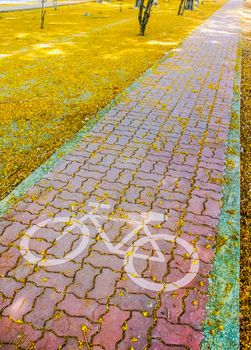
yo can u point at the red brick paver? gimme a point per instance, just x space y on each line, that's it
161 149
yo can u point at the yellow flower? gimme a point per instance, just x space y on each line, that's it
125 326
129 253
84 328
158 226
58 315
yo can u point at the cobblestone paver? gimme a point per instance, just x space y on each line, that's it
161 149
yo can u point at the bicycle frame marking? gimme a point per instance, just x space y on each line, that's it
129 255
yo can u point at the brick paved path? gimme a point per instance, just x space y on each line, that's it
161 149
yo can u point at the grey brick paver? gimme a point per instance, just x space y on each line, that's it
161 149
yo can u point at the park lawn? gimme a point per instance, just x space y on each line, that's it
54 80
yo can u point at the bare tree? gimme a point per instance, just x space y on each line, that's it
120 5
138 2
144 13
190 5
43 12
55 4
187 5
182 7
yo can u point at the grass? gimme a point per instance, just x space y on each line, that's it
54 80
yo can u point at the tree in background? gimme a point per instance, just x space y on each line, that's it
55 4
187 5
43 12
144 13
138 2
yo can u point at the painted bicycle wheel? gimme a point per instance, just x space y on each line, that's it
31 257
131 255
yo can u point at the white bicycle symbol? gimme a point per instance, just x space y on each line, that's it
129 255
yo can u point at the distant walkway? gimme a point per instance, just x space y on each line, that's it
112 249
33 6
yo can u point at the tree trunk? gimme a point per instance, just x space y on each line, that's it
43 12
55 4
182 7
144 15
142 29
137 3
189 5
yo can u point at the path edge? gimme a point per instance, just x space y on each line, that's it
221 326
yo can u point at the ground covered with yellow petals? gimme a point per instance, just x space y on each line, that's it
245 296
54 80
